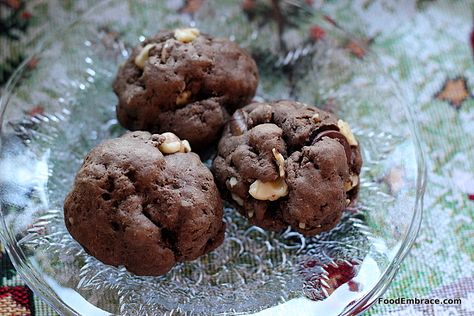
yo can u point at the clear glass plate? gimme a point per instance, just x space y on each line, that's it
59 104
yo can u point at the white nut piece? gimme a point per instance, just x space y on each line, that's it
268 191
185 147
280 162
345 130
232 182
302 225
250 214
143 56
352 183
71 220
183 98
316 118
237 199
171 145
186 35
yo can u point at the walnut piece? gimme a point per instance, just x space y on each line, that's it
345 130
316 118
183 98
143 56
280 162
352 183
173 144
186 35
232 182
237 199
270 191
185 147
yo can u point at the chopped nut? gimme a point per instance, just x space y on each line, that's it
171 145
143 56
170 148
71 220
345 130
183 98
170 137
353 182
250 214
186 35
238 123
232 182
316 118
302 225
270 191
185 147
348 201
164 52
280 162
237 199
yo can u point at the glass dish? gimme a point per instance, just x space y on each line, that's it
59 104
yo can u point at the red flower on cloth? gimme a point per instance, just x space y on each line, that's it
316 33
359 48
15 301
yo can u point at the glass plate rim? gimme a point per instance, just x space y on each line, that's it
47 294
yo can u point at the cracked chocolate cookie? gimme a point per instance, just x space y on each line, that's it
146 202
285 163
186 83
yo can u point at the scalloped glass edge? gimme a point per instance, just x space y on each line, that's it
41 288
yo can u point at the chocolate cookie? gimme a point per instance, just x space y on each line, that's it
186 83
285 163
144 201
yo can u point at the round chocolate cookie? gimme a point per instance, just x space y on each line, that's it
186 83
285 163
144 201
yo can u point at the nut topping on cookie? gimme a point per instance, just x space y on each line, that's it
237 199
232 182
173 144
143 56
345 129
270 191
183 98
353 182
280 162
186 35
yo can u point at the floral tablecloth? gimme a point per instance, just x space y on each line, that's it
427 46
